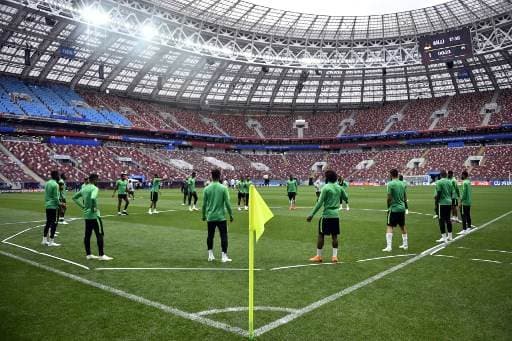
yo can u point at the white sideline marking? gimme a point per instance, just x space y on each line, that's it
238 309
301 265
23 222
384 257
134 298
501 251
315 305
486 260
179 269
21 247
17 234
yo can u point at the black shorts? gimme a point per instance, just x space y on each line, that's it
291 195
455 202
241 195
445 212
153 196
396 218
122 196
329 226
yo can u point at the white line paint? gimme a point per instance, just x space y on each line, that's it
176 269
21 247
447 256
486 260
65 260
23 222
315 305
301 266
385 257
134 298
500 251
17 234
238 309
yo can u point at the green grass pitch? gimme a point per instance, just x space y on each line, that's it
465 296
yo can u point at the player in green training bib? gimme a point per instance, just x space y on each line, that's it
248 184
329 224
443 198
401 178
89 205
51 204
62 199
243 189
153 194
122 194
465 203
344 184
215 205
396 200
191 187
455 196
291 189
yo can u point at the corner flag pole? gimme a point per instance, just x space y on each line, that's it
251 284
259 214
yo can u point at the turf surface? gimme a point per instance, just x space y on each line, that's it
434 298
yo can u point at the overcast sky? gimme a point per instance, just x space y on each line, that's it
347 7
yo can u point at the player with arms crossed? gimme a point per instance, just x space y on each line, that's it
397 198
329 223
89 205
291 188
153 194
120 188
443 199
215 204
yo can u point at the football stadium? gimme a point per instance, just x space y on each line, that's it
255 170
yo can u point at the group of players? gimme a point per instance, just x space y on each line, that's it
216 204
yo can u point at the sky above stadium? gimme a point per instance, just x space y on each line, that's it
347 7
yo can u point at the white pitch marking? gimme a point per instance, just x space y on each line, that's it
384 257
21 247
501 251
486 260
17 234
134 298
23 222
301 266
447 256
65 260
238 309
315 305
178 269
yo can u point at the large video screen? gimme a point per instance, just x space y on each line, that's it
446 46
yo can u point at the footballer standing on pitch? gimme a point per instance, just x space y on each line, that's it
397 198
465 203
89 205
443 198
51 203
329 223
121 187
155 189
215 204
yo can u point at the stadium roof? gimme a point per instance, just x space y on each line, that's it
236 54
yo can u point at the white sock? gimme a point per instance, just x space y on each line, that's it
444 236
319 252
335 252
405 239
389 239
224 255
210 253
450 236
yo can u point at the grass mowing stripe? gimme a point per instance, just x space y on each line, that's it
315 305
135 298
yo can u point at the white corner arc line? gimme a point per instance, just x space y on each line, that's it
134 298
21 247
315 305
238 309
65 260
385 257
176 269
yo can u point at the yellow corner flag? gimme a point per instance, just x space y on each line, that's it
259 214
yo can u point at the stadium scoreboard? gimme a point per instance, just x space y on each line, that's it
446 46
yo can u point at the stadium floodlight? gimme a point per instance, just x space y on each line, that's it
95 15
148 31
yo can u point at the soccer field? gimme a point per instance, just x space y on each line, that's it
160 285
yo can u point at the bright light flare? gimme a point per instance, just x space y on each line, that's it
95 16
148 31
